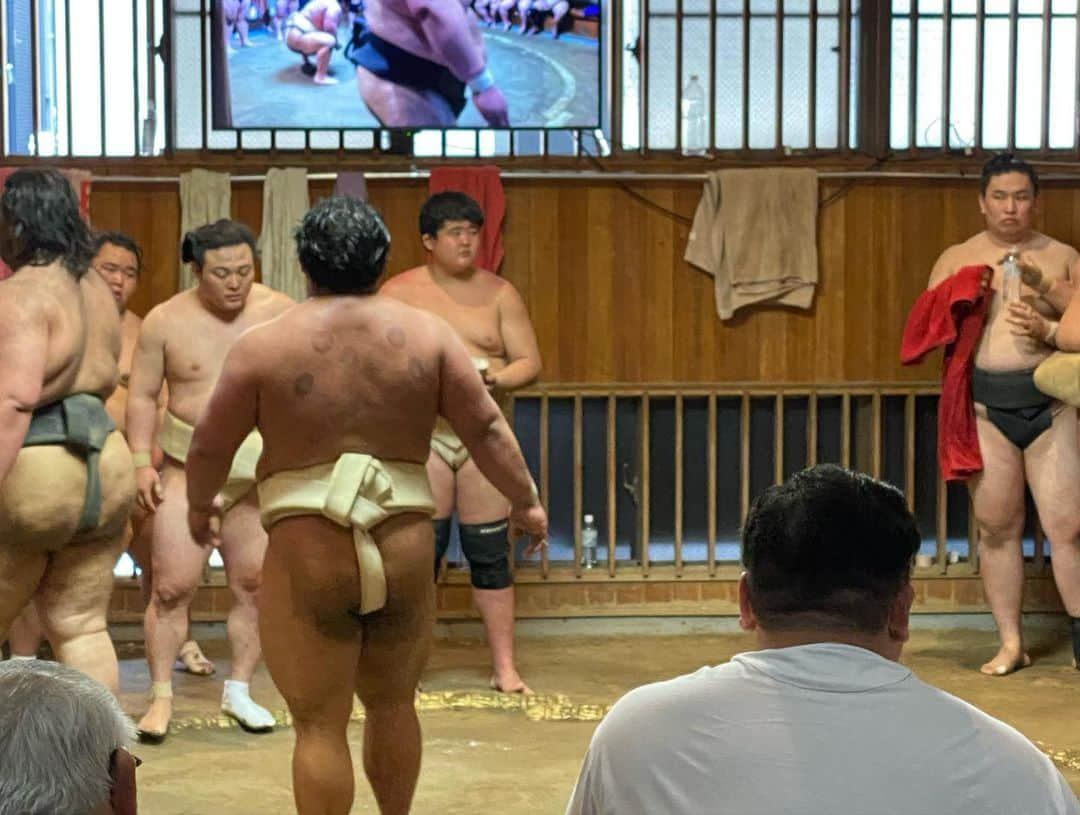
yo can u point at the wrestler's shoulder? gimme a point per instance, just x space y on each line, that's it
171 313
265 297
405 281
1052 246
24 299
961 254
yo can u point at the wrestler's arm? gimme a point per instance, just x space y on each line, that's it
145 383
944 268
477 420
225 422
446 28
1058 294
24 344
332 19
1068 333
519 339
1055 292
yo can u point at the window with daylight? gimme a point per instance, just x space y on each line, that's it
771 75
992 74
81 78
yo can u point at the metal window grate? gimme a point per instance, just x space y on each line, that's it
984 74
86 78
82 78
779 76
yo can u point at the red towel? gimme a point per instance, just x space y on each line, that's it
79 179
483 184
952 314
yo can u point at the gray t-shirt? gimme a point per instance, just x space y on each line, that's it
823 729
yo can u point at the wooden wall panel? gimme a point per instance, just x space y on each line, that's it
612 299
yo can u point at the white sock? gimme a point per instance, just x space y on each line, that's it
236 686
237 702
20 658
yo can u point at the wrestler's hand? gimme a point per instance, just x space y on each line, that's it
205 522
150 492
1031 274
492 105
531 521
1027 322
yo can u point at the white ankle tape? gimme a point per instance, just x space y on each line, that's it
161 690
18 658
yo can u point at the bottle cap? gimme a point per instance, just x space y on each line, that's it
589 519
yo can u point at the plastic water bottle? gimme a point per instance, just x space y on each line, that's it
695 124
589 536
1010 288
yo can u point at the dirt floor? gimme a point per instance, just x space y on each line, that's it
489 753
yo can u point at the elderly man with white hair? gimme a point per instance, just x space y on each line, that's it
63 744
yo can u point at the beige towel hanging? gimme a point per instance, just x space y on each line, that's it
755 232
205 197
285 202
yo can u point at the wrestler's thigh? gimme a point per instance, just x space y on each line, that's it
399 106
317 40
20 572
477 499
74 593
117 487
177 560
442 480
310 642
397 637
243 542
997 492
1052 463
140 538
41 498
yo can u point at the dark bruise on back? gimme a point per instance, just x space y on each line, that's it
396 336
303 384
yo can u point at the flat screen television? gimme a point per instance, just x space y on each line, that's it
405 64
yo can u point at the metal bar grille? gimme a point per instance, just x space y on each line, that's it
1014 41
4 45
996 46
677 465
728 130
101 77
675 443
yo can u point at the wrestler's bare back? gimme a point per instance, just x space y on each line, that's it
469 304
351 374
82 329
999 349
192 343
325 15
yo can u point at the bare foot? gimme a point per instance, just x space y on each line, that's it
154 725
324 80
1006 661
511 683
193 660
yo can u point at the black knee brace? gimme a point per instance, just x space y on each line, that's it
442 541
485 547
1076 640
